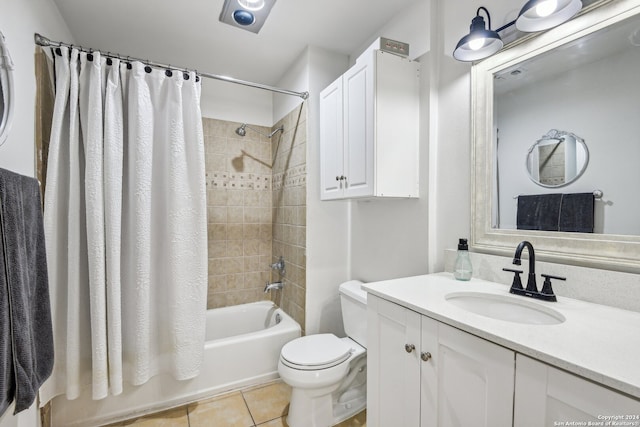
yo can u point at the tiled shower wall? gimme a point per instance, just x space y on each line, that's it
256 198
239 213
290 210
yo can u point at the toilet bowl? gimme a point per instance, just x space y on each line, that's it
327 374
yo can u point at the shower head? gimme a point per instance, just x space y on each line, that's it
242 130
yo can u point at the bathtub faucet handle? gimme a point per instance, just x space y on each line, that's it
279 265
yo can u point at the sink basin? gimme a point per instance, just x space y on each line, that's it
501 307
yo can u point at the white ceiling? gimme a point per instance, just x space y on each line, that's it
188 34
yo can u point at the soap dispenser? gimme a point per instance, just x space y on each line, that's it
463 269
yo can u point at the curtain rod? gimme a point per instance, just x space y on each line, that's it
43 41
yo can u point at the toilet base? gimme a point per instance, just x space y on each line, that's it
325 407
322 411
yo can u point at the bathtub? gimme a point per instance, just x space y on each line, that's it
245 351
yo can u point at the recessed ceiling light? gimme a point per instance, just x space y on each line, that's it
248 15
251 4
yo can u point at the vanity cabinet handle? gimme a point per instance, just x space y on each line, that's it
409 348
425 356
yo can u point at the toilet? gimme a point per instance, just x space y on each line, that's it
328 374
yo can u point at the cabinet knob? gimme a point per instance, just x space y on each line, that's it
425 356
343 178
409 348
337 178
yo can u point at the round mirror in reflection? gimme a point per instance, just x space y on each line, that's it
557 159
6 90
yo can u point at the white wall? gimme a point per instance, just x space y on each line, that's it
389 238
597 104
327 223
450 135
236 103
408 26
19 19
296 79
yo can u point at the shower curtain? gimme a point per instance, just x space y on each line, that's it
125 225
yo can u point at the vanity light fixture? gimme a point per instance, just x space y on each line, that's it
249 15
480 42
535 15
540 15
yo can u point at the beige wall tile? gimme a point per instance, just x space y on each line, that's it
217 249
235 214
233 248
234 265
247 217
235 231
235 282
251 231
251 247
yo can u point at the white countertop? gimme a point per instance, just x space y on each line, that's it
597 342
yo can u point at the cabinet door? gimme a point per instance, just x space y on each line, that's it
475 381
358 127
547 396
393 374
331 141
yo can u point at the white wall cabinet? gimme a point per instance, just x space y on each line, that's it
547 396
369 129
424 373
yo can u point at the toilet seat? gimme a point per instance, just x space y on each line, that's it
314 352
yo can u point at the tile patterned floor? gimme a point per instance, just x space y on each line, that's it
259 406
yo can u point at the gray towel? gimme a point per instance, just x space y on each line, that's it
538 212
577 213
26 343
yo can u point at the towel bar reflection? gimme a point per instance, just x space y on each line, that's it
597 194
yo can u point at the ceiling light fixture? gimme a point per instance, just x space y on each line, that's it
249 15
535 15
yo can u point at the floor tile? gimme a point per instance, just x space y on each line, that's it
358 420
268 402
173 418
228 411
278 422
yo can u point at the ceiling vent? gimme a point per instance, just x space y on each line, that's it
246 14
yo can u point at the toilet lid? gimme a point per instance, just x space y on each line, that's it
316 351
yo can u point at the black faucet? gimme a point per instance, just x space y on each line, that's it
532 288
531 280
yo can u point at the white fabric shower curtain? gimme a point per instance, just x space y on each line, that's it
125 226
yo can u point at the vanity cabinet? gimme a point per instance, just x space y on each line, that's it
424 373
369 122
546 395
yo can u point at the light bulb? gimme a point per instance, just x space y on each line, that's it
251 4
476 44
546 8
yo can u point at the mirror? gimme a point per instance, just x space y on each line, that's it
529 104
557 159
6 90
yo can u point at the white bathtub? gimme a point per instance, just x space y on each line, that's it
242 347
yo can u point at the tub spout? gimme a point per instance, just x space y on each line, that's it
270 286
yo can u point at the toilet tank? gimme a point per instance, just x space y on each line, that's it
353 300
